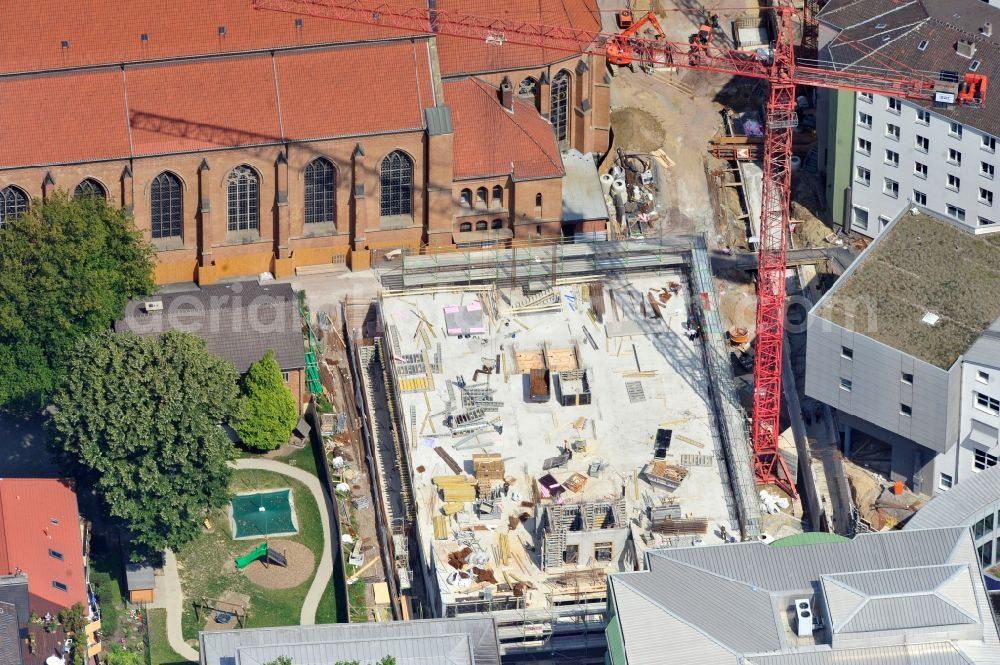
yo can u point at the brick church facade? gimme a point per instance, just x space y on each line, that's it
247 141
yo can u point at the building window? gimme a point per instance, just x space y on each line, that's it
559 96
866 97
846 385
56 554
923 143
985 196
528 89
864 146
864 120
321 191
883 222
986 170
847 352
983 527
244 200
89 187
892 158
919 198
920 170
13 202
497 224
982 377
481 196
989 143
465 198
956 212
906 378
981 459
166 211
465 227
923 117
497 200
986 222
905 409
894 105
987 403
481 225
396 184
862 175
890 188
955 130
861 218
59 585
603 551
538 200
285 376
985 554
954 157
944 481
954 182
892 131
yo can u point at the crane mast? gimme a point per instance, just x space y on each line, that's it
779 68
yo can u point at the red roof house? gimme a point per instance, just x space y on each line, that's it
40 536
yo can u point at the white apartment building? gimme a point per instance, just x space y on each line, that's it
899 151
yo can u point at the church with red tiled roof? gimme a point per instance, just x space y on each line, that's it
247 141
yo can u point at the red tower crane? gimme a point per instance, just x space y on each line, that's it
778 67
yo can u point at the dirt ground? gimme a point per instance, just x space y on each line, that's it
301 563
876 503
636 130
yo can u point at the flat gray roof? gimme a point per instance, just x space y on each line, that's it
582 196
921 264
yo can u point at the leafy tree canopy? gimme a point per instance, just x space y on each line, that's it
67 268
268 413
140 419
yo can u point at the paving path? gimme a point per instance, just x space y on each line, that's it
171 596
174 603
324 571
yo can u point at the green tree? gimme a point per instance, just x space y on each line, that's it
139 419
67 268
268 412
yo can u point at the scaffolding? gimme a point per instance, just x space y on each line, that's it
731 416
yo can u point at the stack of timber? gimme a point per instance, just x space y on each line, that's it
456 489
664 474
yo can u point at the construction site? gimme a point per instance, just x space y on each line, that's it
538 424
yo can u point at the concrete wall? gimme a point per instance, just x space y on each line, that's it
877 389
934 186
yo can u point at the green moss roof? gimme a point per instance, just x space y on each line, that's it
922 264
811 538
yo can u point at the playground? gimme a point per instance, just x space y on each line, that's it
262 514
254 561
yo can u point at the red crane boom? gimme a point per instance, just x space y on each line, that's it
783 74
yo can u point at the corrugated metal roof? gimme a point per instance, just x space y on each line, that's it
904 612
434 650
940 653
700 599
961 504
986 350
220 648
790 568
886 585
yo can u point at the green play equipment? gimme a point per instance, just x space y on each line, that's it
270 555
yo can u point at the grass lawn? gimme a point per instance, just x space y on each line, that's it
304 459
203 563
160 652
